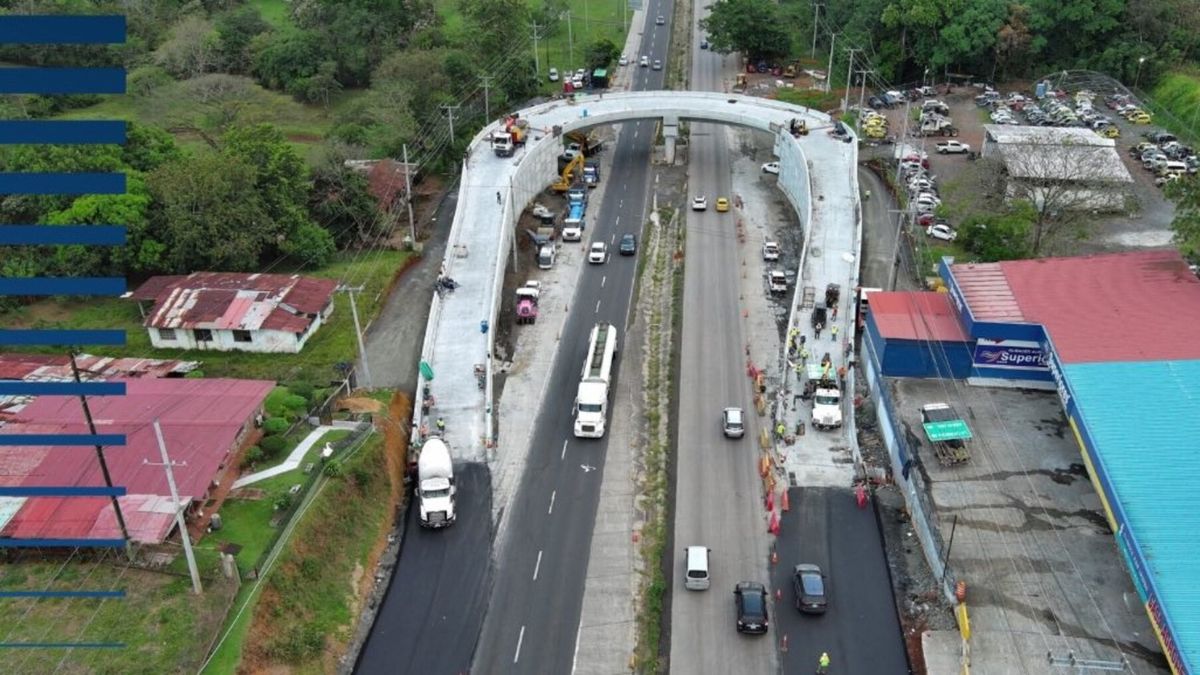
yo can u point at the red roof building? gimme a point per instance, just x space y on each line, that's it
205 423
228 311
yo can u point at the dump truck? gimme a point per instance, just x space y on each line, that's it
435 486
512 133
573 223
936 125
527 302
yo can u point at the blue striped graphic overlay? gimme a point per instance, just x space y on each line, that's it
10 440
62 183
62 337
75 132
34 235
61 491
62 30
61 594
62 543
62 80
62 645
23 388
62 286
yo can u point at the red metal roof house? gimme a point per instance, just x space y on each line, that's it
228 311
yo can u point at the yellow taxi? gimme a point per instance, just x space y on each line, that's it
722 204
1109 132
1140 118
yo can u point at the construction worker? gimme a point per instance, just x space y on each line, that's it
823 663
441 425
780 430
803 357
833 330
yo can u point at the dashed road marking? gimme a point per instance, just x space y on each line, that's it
552 496
520 639
537 566
564 452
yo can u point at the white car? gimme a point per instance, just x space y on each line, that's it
624 60
598 253
700 203
644 62
657 65
942 232
928 198
770 251
553 75
920 184
948 147
660 21
771 167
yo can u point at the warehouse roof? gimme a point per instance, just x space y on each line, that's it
1146 443
1020 134
916 316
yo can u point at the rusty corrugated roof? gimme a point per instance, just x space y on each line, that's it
987 292
223 300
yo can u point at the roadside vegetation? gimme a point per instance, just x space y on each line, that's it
662 279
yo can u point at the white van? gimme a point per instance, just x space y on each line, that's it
1175 167
696 568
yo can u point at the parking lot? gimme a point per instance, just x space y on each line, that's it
1026 532
1148 225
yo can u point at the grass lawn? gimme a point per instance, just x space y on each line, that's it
164 626
333 343
274 12
305 602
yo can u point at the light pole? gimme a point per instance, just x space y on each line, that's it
1138 74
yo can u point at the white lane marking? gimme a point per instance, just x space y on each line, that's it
597 306
520 639
537 566
575 658
635 133
564 452
617 221
552 496
613 239
602 280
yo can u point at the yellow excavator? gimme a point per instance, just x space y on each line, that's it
573 167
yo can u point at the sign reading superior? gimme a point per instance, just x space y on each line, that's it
1010 354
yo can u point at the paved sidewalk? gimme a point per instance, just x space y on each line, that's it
293 460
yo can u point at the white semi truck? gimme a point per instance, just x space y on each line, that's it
435 486
591 403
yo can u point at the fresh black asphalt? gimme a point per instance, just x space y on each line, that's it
431 614
861 629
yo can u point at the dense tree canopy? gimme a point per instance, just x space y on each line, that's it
753 27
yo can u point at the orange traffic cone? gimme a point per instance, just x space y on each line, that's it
785 506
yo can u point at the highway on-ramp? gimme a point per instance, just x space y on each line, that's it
718 501
532 619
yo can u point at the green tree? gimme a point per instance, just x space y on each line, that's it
601 54
210 214
236 30
998 236
1186 225
282 60
143 251
753 27
360 33
340 202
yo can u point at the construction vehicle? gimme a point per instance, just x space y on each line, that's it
591 402
573 223
435 486
513 132
591 174
798 127
821 385
527 302
584 142
566 178
933 124
790 71
739 84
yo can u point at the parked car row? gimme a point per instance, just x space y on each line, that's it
923 199
1163 155
893 98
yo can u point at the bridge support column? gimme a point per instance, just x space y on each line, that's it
670 130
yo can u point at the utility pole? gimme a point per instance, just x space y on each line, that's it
179 522
408 197
891 286
537 66
829 70
362 351
487 99
570 42
450 113
849 72
816 8
862 89
87 414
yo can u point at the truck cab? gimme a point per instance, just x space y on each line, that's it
826 397
435 487
591 174
777 282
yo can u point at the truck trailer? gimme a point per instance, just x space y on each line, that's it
591 402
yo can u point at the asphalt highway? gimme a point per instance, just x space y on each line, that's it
718 502
532 619
434 606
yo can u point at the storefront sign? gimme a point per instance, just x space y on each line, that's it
1011 354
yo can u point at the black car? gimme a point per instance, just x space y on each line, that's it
751 601
628 244
875 102
808 584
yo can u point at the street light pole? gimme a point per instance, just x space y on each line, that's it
1138 74
816 10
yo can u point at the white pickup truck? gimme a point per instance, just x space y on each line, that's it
770 251
952 147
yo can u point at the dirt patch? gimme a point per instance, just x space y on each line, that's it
359 405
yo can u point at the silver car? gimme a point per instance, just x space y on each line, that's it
733 423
